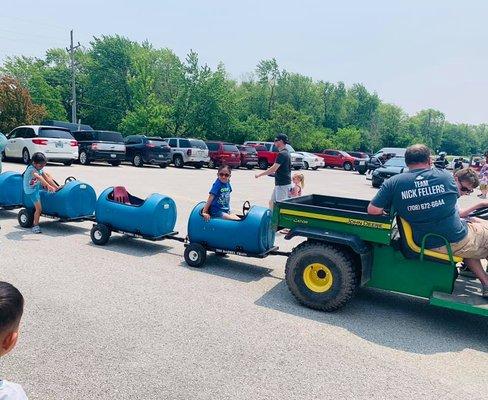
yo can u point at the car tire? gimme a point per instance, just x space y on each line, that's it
195 255
178 161
198 165
83 158
263 164
211 164
347 166
68 163
115 163
137 161
375 183
249 167
100 234
305 165
26 217
25 157
321 276
297 168
164 165
315 168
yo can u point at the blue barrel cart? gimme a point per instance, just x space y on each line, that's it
73 202
11 190
252 236
118 211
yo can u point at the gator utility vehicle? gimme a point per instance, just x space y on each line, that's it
346 248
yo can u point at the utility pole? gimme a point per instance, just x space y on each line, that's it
71 51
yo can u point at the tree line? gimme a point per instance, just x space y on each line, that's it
136 88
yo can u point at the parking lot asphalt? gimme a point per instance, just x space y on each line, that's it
131 321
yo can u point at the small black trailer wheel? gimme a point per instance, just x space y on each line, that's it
100 234
321 276
26 217
195 255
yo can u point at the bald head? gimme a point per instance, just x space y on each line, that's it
417 156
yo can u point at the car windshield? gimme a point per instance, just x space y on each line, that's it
198 144
109 137
54 133
250 149
290 149
396 162
231 148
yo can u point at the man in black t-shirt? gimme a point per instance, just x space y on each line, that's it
281 170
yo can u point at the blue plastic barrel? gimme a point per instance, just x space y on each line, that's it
10 189
74 200
153 217
254 234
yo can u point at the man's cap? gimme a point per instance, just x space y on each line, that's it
283 137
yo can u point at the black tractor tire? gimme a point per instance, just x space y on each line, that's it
25 157
347 166
137 161
100 234
26 217
195 255
263 164
321 276
178 161
83 158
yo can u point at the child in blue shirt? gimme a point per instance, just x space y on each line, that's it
218 202
34 177
11 309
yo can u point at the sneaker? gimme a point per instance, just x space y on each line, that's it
36 229
482 196
484 291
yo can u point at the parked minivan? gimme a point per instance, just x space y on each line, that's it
223 153
57 144
187 151
100 146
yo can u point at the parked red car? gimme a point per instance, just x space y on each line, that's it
268 152
337 158
249 156
223 153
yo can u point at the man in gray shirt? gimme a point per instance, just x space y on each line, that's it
426 198
281 170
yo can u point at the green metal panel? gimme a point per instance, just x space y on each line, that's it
352 226
392 271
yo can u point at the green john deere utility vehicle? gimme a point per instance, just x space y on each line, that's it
346 248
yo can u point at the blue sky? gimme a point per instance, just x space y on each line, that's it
416 54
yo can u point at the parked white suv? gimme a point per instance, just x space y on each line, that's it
186 151
57 144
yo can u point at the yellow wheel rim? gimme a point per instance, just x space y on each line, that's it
318 278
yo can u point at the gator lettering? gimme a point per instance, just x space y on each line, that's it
368 224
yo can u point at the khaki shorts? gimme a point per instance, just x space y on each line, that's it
483 186
474 245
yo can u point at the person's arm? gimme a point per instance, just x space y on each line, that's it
44 182
49 179
373 210
383 199
269 171
206 207
465 212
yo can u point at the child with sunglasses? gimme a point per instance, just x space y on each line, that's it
218 202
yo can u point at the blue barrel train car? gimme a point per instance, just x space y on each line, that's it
253 235
119 211
75 201
11 190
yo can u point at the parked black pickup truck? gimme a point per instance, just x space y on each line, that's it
100 146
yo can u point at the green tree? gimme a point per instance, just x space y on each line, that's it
347 138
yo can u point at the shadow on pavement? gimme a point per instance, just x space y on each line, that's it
232 269
392 320
49 228
132 246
